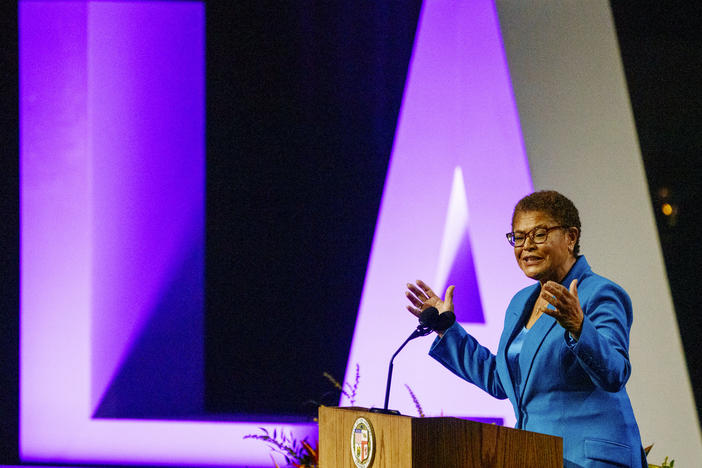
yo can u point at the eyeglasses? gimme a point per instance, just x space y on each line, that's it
537 235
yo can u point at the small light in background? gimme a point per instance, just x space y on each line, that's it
665 200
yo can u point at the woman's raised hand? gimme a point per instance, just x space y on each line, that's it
421 296
567 306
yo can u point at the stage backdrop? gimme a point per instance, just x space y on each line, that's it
112 161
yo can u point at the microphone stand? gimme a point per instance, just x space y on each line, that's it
422 330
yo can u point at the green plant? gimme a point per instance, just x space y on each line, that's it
665 464
300 453
346 389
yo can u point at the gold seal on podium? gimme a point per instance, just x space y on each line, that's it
362 443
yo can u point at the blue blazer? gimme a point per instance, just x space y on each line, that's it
574 390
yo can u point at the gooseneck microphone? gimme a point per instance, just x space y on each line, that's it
429 320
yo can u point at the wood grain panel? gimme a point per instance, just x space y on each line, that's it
406 442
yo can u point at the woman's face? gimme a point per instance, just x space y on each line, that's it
550 261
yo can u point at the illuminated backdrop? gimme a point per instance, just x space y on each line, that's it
457 169
112 207
112 184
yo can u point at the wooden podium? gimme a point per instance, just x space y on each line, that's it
407 442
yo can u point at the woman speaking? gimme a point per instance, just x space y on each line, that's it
563 357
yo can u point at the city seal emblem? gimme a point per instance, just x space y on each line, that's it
362 443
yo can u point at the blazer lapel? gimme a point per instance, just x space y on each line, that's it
534 339
516 317
514 321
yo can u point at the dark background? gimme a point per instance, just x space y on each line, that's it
301 110
661 48
302 104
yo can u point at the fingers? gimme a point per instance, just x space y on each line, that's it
574 287
416 312
417 292
448 300
555 289
555 313
550 298
556 294
568 311
426 288
558 310
417 298
415 302
421 296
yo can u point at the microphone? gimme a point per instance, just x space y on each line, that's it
429 320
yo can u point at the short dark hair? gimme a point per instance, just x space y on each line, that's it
554 204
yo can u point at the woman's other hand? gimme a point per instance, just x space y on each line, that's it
421 296
568 311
